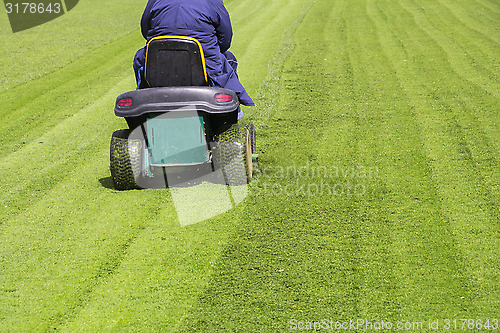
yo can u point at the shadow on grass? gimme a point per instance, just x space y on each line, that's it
175 182
107 183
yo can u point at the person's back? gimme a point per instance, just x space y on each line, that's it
205 20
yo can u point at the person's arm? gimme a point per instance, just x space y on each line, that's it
146 18
223 28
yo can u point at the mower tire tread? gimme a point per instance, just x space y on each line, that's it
125 160
229 154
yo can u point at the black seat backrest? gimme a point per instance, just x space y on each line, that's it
175 61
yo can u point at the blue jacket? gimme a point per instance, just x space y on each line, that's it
206 20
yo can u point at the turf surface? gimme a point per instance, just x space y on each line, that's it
378 197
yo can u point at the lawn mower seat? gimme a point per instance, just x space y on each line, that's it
173 61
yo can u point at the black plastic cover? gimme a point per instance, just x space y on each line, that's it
167 99
174 62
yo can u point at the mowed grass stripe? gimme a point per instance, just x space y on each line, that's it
241 13
65 234
475 99
393 253
259 45
363 126
51 99
473 118
56 253
54 308
280 264
64 247
382 139
165 270
59 241
458 60
28 174
104 316
36 52
342 75
479 104
58 144
268 93
480 27
424 250
480 48
462 180
108 253
492 6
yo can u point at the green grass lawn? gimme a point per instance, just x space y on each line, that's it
378 197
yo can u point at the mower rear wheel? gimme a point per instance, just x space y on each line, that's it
232 153
248 155
125 160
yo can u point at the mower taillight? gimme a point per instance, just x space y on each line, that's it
124 102
223 98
